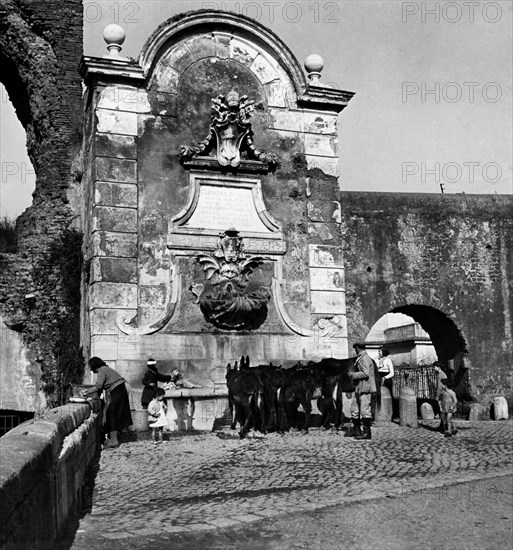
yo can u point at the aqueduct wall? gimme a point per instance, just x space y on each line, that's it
435 258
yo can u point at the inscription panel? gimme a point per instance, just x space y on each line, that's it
223 207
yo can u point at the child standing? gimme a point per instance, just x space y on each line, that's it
448 401
157 416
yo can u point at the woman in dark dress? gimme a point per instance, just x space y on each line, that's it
116 414
149 381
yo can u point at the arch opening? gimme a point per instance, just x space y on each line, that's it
416 337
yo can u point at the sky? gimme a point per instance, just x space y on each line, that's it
433 84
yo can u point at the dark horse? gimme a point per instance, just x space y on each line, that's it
245 392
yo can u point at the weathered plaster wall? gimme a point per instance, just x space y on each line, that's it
40 48
19 375
42 468
452 253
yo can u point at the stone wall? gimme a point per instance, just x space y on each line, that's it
445 260
42 467
19 375
40 50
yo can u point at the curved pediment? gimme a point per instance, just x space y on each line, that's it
185 39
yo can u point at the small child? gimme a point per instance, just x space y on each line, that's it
447 401
157 415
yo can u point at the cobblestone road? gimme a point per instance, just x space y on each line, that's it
195 483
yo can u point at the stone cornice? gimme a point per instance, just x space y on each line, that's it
104 68
324 99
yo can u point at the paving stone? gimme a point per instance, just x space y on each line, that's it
174 529
201 527
205 482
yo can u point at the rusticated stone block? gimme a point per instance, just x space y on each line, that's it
263 69
123 98
114 244
165 79
322 210
112 169
104 322
324 301
281 119
115 194
116 122
276 93
242 52
321 145
106 347
113 295
202 46
321 232
114 270
121 220
163 103
181 57
113 145
222 44
326 164
320 123
153 296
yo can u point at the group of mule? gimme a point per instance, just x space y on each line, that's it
267 397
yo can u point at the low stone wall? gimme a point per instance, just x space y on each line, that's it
42 467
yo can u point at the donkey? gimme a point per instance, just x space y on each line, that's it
297 389
333 378
271 380
244 396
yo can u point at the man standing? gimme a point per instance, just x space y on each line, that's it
365 386
386 369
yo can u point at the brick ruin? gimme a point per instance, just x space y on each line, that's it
40 48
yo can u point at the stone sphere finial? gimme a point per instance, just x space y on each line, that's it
314 64
114 35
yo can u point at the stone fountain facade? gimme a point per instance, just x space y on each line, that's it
211 208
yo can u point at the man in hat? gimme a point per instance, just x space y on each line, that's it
365 386
149 381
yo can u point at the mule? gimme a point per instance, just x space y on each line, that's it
297 389
271 379
244 396
333 378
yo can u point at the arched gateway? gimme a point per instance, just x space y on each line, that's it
214 221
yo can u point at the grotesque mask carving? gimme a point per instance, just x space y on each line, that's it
231 299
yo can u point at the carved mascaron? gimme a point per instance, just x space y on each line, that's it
231 299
